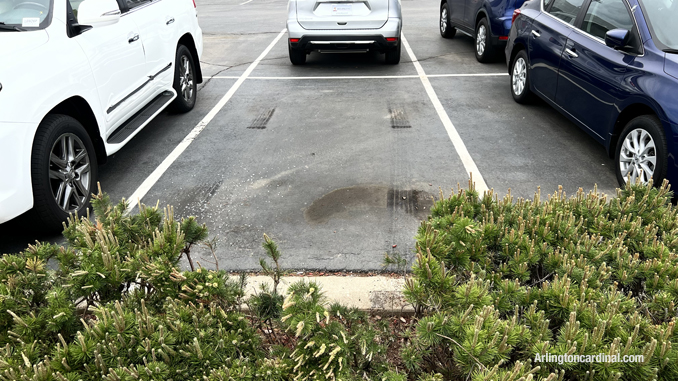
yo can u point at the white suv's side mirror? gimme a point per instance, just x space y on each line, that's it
98 13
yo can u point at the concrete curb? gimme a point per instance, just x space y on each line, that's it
367 293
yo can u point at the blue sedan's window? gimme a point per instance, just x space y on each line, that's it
604 15
566 10
661 15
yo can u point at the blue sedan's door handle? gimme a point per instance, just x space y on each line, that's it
536 34
571 53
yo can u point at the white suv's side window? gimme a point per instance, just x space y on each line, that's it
75 4
131 4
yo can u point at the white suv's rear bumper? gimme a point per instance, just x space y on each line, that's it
16 191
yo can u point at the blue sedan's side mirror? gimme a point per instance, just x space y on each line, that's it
617 38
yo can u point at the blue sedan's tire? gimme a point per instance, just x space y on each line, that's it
485 51
446 29
520 78
641 151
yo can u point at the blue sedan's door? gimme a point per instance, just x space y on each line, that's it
590 86
457 9
546 44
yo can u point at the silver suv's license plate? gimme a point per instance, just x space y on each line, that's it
342 9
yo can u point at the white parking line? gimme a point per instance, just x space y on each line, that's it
153 178
459 145
245 2
373 76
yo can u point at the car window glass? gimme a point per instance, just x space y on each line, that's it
75 4
26 14
566 10
604 15
136 3
547 4
661 16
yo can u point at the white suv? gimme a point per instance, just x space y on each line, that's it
78 80
344 26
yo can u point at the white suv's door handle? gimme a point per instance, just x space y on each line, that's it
571 53
133 38
169 20
536 34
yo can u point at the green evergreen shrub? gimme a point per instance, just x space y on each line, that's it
497 282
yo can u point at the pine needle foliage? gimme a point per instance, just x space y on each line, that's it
499 281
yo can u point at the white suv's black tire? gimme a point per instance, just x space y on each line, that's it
47 148
393 55
446 30
185 83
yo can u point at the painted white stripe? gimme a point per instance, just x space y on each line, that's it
372 76
153 178
459 145
245 2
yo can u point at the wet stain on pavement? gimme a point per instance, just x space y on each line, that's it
358 201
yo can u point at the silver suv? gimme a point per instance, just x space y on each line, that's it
344 26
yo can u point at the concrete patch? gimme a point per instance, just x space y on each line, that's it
374 293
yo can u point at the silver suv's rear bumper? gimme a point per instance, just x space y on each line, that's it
383 39
390 29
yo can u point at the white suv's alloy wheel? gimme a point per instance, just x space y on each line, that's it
69 173
638 156
186 79
519 76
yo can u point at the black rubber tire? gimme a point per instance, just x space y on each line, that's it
526 96
297 57
181 105
46 214
489 54
393 55
449 31
653 126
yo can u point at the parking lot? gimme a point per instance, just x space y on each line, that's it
337 160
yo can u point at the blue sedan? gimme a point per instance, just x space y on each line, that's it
610 66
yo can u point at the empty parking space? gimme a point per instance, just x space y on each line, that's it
337 171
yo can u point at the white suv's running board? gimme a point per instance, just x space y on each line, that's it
141 118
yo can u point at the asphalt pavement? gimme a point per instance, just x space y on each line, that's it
338 170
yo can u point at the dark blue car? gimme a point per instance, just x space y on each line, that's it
611 66
487 21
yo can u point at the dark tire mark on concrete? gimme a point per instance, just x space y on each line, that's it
194 201
260 122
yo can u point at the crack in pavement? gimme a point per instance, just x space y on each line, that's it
212 76
430 58
230 67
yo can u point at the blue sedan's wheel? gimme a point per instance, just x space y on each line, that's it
485 52
446 30
641 152
520 85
